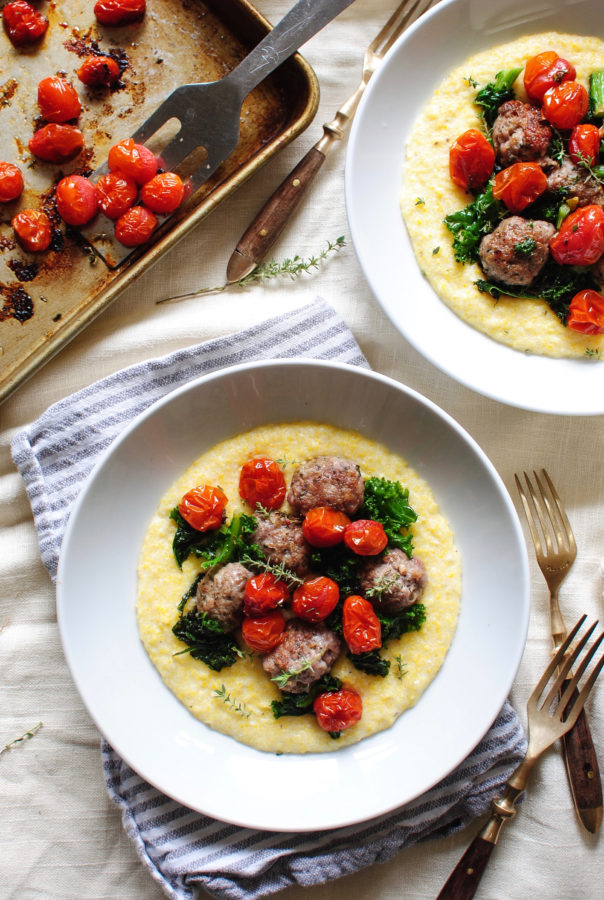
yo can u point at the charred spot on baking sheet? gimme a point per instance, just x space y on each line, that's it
7 91
7 243
17 303
23 270
86 45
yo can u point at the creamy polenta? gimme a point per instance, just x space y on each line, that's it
428 195
237 700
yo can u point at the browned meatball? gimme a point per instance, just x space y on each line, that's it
220 596
519 133
327 481
516 251
306 653
400 581
575 181
280 538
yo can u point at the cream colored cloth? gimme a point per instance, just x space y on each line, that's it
61 836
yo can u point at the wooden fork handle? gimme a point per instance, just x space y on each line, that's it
583 772
257 240
463 881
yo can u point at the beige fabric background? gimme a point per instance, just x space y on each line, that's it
61 837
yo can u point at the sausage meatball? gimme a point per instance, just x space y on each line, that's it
520 133
308 650
327 481
400 581
575 181
516 251
220 596
280 538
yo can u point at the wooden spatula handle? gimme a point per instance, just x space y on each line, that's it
257 240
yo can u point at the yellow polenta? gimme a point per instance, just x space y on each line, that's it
429 195
237 700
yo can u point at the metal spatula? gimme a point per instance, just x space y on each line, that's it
209 113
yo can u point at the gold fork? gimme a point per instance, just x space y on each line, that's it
270 221
550 715
556 550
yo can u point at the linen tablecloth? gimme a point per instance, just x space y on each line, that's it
61 835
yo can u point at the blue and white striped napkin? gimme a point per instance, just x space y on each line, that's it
182 849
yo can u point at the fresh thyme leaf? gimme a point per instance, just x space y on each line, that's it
19 740
469 225
235 705
493 94
526 247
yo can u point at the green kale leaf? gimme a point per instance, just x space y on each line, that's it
216 547
301 704
493 94
206 641
410 619
470 224
371 663
388 502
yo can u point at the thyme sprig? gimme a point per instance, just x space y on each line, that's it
281 572
222 694
289 268
282 679
24 737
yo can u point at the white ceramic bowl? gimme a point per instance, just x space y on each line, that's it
437 43
155 733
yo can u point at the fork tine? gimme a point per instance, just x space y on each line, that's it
585 691
396 24
573 685
566 665
561 512
536 538
554 663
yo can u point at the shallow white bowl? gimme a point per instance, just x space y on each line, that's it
437 43
155 733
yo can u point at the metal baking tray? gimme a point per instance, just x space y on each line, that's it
47 298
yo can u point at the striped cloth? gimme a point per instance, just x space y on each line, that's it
181 848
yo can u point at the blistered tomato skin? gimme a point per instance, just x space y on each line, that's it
584 144
338 710
314 600
324 527
580 240
203 506
76 200
115 194
163 193
134 160
519 185
11 182
58 100
361 626
99 71
565 104
33 229
471 160
57 143
264 633
545 71
135 226
586 312
365 537
262 594
262 483
23 23
119 12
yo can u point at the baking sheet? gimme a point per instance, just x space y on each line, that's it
47 298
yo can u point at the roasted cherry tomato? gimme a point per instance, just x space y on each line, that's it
23 23
361 626
33 229
261 483
315 599
544 71
163 193
119 12
471 160
115 194
135 226
203 507
265 632
584 144
58 99
586 312
99 71
565 104
324 527
134 160
338 710
519 185
580 240
57 143
365 537
11 182
262 593
76 200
